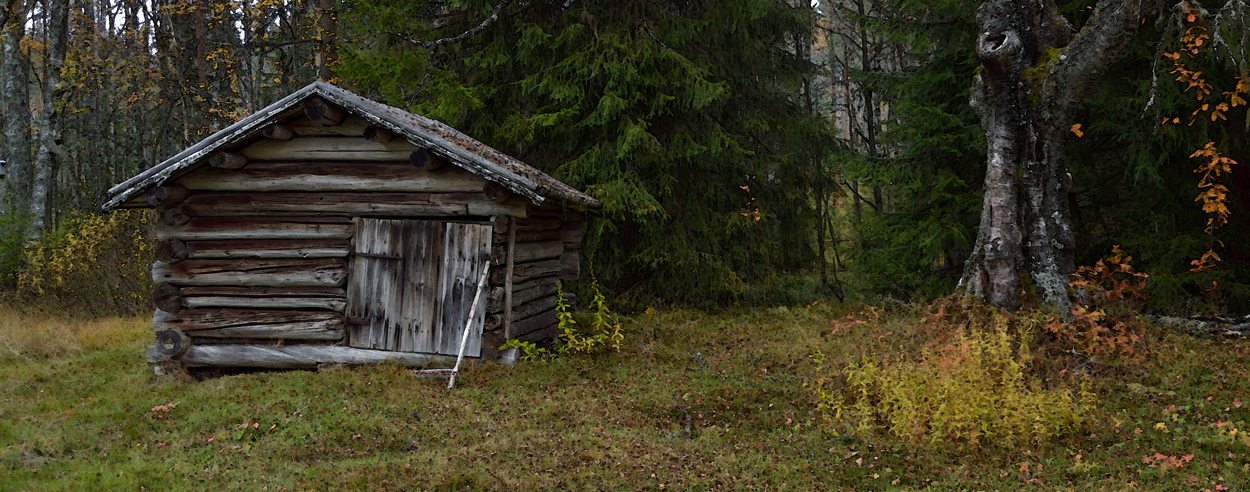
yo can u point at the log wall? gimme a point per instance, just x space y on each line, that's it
257 247
547 243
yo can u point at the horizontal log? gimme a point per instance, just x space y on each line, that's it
223 228
528 326
166 196
278 132
496 192
570 267
530 237
352 126
266 248
547 332
320 111
525 224
227 160
171 344
329 149
322 272
553 209
172 250
303 357
521 293
522 272
352 204
424 160
332 298
535 307
220 323
526 252
571 234
172 217
331 176
377 134
167 297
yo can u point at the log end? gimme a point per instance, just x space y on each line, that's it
171 344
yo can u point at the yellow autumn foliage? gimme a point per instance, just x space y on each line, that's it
95 264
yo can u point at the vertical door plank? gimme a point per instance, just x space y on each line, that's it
423 250
465 254
375 292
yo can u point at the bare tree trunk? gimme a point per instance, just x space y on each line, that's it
327 55
1025 242
16 80
58 16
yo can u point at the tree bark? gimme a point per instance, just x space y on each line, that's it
41 187
1035 75
16 79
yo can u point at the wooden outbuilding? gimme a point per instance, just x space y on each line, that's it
329 228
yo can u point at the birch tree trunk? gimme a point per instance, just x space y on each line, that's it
40 190
1034 76
16 78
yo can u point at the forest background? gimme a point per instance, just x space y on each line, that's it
755 152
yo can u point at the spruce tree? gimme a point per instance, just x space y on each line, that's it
685 119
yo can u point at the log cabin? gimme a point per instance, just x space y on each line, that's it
332 229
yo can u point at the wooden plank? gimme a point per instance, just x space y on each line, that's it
329 149
532 236
422 306
522 293
570 267
321 272
527 252
508 284
268 248
333 176
532 324
331 298
225 228
352 126
529 224
571 235
544 333
523 272
535 307
465 255
208 204
303 357
220 323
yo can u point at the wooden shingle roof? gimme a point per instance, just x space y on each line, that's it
435 136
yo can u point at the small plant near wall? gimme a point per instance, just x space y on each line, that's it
603 327
529 350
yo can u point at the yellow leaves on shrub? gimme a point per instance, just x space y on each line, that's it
969 391
99 262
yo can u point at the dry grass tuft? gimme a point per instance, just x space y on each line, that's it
23 335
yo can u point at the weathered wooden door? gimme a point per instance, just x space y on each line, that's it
411 284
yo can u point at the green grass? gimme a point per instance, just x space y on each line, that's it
694 402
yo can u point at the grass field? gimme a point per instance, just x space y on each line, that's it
694 402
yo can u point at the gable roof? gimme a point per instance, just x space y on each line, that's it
433 135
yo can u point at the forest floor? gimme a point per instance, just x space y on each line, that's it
694 401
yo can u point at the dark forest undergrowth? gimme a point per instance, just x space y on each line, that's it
777 399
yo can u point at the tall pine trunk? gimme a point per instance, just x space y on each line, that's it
47 119
15 73
1035 74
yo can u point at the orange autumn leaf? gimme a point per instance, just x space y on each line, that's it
1077 130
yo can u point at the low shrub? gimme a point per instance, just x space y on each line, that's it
968 388
94 264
